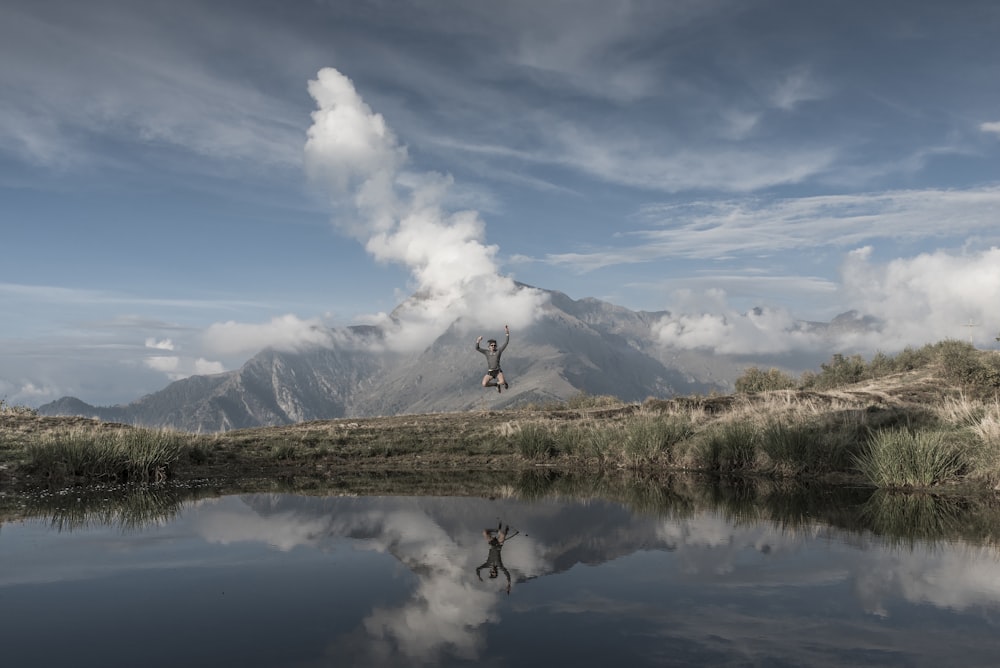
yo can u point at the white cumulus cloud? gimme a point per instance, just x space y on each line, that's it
917 300
168 364
992 127
204 367
165 344
928 297
286 332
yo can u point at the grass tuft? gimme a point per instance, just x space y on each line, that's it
125 455
727 447
899 457
647 440
534 441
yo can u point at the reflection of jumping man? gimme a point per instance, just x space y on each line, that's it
496 538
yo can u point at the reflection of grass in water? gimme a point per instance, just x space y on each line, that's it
639 494
902 518
127 509
534 485
788 504
908 518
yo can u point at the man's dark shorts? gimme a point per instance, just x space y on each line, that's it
493 372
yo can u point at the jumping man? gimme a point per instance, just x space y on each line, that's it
494 374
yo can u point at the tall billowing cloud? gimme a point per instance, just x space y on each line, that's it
401 217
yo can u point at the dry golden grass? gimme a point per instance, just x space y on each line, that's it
777 433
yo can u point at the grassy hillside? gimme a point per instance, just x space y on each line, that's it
924 418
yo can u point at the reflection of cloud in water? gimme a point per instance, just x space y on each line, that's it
228 524
444 611
443 614
440 543
710 545
957 579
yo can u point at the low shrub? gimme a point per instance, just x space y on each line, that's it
584 400
881 365
914 358
840 370
14 409
755 380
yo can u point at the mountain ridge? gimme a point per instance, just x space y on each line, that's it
575 346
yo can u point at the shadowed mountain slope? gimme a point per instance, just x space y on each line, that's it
575 346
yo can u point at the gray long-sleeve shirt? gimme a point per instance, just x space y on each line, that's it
493 356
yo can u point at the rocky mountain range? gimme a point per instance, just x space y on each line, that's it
575 346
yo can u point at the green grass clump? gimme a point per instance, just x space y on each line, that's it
979 423
126 455
900 457
794 448
727 447
535 441
593 441
647 439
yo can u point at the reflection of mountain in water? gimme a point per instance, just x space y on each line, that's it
700 555
439 541
564 535
899 517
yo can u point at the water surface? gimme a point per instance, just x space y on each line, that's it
289 580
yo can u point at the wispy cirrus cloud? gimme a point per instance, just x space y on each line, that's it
720 229
70 296
89 80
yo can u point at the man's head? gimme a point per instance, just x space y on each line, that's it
492 343
493 571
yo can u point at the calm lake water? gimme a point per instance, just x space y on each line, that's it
649 578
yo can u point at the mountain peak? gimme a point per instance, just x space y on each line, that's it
574 346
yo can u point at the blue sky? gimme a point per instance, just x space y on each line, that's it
183 183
